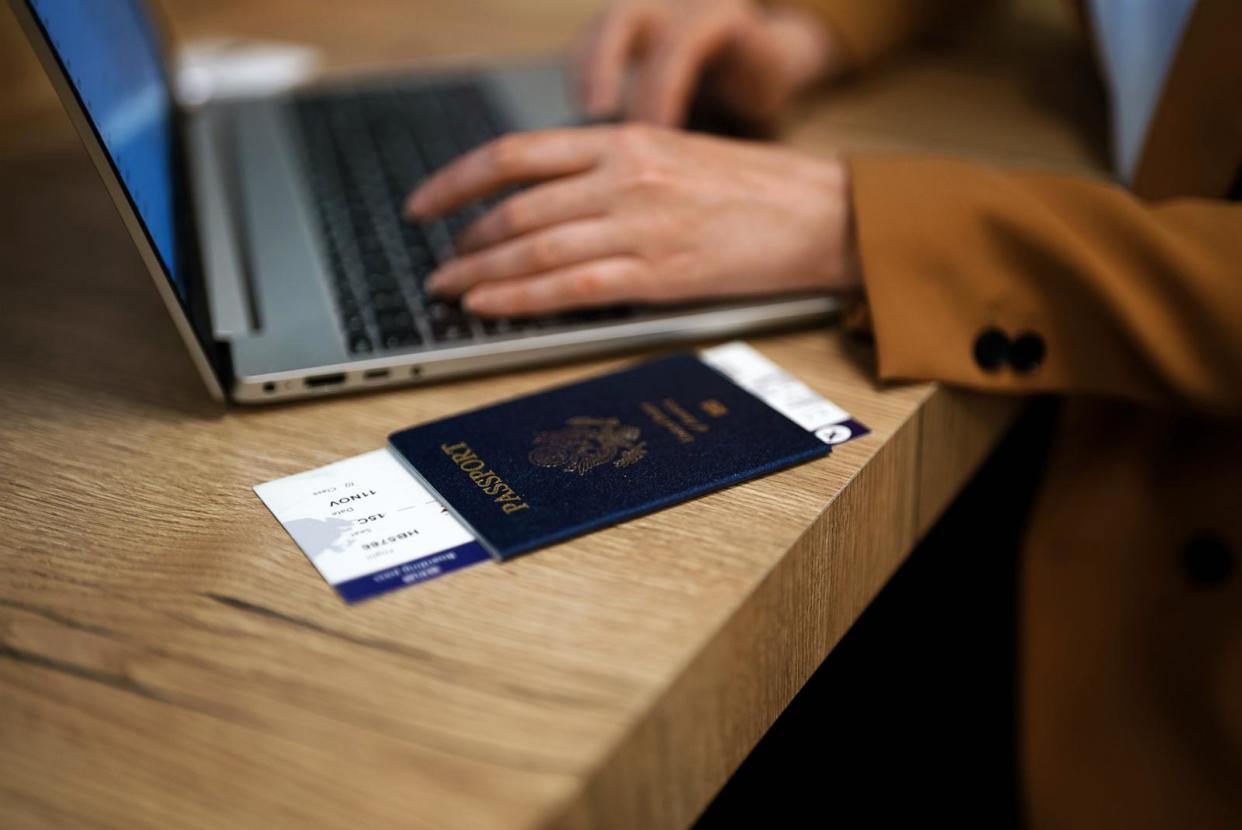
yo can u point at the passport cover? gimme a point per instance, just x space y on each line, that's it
539 469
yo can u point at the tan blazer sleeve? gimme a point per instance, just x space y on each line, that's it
869 29
1115 296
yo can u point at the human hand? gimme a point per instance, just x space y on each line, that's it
634 213
751 60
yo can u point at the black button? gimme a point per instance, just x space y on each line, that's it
1207 560
991 349
1027 352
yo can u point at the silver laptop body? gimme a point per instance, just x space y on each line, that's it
264 287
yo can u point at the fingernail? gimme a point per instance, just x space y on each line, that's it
414 204
602 106
435 283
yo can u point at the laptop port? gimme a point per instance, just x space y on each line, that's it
325 380
375 374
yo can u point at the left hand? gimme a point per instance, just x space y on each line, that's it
751 58
635 213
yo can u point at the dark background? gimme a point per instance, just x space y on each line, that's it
913 715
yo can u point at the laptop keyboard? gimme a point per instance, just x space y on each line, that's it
364 152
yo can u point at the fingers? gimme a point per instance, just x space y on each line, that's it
511 159
540 207
605 54
537 253
599 282
677 62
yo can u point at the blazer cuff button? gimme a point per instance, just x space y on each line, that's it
991 349
1027 352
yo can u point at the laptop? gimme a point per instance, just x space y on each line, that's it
272 227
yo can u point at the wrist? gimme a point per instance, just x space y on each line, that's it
841 271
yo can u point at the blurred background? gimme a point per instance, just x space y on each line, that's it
953 93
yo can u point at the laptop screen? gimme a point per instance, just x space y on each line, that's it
109 53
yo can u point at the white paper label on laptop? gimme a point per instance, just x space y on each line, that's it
368 526
783 392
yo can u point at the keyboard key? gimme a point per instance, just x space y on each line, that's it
402 338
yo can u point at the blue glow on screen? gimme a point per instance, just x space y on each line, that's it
109 52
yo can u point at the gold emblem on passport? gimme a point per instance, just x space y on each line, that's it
585 443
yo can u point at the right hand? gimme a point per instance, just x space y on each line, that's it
752 60
634 213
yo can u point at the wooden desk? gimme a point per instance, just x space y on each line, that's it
169 657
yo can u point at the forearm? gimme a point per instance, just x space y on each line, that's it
1126 298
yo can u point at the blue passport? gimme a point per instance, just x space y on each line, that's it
539 469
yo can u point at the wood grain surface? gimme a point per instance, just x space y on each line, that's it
168 657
